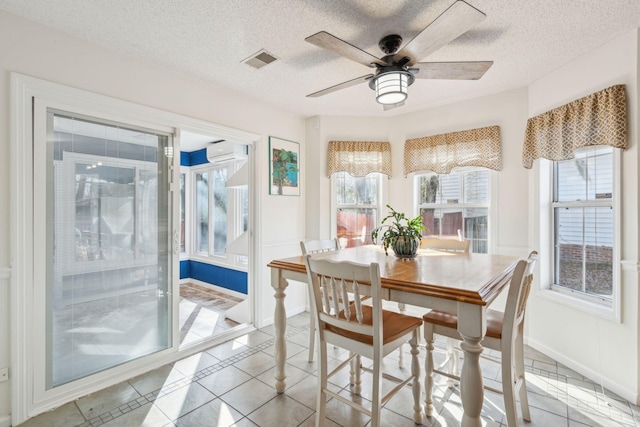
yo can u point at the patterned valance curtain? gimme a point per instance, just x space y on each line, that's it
441 153
597 119
359 158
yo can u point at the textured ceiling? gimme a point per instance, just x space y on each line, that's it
209 39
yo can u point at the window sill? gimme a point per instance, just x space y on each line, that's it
579 304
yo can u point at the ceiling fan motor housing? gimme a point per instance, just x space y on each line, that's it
390 44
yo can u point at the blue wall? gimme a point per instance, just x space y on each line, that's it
223 277
193 158
185 270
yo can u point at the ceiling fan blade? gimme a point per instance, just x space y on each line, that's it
339 86
342 48
469 70
454 21
387 107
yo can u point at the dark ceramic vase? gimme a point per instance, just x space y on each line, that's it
406 247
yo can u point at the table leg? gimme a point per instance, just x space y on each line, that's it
280 322
472 327
403 310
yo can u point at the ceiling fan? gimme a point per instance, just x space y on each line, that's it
397 70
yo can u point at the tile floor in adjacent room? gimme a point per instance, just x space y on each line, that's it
232 385
202 312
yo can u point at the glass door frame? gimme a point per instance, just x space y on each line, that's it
41 393
25 91
62 170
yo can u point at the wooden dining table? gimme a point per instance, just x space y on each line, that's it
459 283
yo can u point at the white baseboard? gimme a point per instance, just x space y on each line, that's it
5 421
290 312
630 395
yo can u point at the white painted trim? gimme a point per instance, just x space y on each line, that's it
23 90
21 219
625 393
5 273
205 344
5 421
290 312
117 107
278 244
578 303
494 213
630 265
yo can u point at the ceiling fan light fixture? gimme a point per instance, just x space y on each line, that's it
392 87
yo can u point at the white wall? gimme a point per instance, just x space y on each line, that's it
507 110
37 51
603 349
321 130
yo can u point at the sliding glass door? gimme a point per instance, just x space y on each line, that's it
108 245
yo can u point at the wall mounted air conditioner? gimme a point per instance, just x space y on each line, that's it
226 150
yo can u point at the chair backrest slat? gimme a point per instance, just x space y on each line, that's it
316 246
449 245
333 291
338 279
357 300
519 289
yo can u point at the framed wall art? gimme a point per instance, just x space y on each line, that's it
284 167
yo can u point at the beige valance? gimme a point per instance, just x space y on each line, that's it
359 158
441 153
597 119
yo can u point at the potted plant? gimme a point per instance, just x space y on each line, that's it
402 234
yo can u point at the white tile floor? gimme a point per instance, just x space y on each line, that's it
232 385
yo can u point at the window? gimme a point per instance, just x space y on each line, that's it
357 207
202 212
583 218
456 205
221 213
183 248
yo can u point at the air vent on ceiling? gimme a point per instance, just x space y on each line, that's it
260 59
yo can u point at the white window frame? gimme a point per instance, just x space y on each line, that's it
234 218
383 188
577 300
184 255
68 262
491 206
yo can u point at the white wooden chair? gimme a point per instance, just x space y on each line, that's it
449 245
363 330
313 247
504 334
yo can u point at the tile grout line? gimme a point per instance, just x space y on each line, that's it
150 397
552 378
